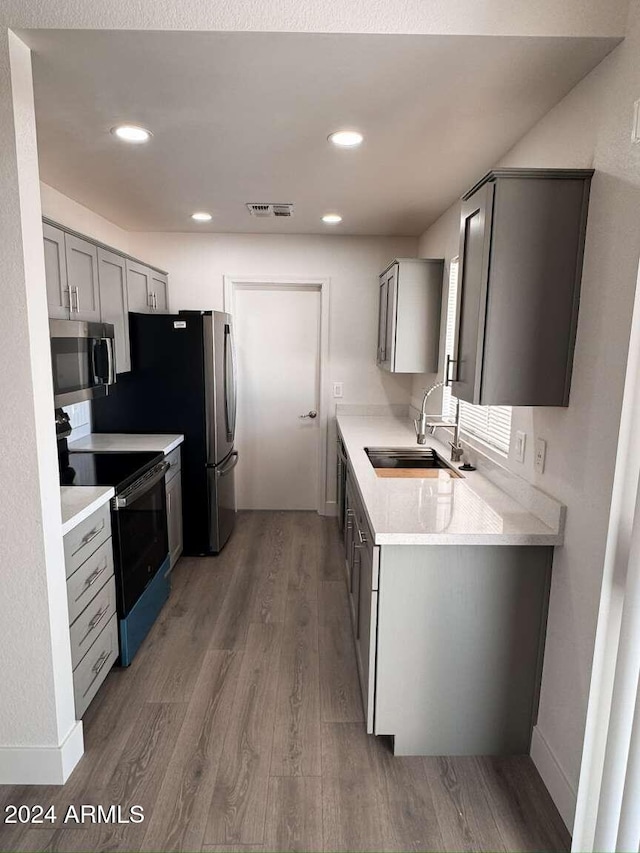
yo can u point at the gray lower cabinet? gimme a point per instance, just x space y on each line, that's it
362 559
91 596
409 309
449 640
112 275
173 485
82 278
55 267
522 237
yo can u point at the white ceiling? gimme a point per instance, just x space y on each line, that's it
241 117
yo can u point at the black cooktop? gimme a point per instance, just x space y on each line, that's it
88 468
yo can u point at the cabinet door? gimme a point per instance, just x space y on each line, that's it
82 275
114 307
174 517
366 629
55 269
382 319
138 287
159 292
390 333
475 241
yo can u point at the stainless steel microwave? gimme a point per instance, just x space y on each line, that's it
83 360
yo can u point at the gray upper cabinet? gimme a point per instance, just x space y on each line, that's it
112 275
55 267
410 295
82 278
148 289
159 291
521 246
138 287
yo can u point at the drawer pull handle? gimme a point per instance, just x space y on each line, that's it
93 577
88 537
97 619
104 657
361 537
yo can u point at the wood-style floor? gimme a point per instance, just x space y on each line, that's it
239 727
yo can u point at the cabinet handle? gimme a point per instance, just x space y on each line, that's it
448 379
362 537
93 577
169 502
77 292
88 537
70 292
97 619
104 657
150 300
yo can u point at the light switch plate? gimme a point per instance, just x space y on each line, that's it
541 455
337 389
521 443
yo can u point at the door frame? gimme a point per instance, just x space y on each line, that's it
232 283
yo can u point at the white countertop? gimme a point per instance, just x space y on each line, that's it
79 502
435 511
128 442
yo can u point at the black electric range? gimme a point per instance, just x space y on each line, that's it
139 528
120 470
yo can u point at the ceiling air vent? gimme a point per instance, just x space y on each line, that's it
269 209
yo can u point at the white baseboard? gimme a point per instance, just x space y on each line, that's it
330 508
554 778
41 765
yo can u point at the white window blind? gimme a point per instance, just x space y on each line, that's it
491 424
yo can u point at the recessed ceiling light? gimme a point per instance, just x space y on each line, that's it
346 138
201 216
131 133
332 218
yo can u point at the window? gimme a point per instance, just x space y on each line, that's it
491 424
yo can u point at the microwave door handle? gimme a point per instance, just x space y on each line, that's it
111 362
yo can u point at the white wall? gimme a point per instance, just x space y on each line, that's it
591 127
197 264
39 738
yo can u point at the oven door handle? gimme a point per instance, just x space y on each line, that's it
131 496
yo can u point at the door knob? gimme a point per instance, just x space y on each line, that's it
310 414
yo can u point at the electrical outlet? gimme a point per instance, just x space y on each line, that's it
541 455
521 443
337 389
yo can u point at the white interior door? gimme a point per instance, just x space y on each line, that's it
278 346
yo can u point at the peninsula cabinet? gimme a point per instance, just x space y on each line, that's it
521 247
449 639
409 304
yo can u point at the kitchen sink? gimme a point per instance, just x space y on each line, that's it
403 460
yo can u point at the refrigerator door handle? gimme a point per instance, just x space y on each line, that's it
231 464
229 384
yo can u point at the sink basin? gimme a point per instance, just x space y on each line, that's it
402 462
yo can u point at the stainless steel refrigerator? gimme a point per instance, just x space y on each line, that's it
183 380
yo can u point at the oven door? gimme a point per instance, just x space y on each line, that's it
140 533
82 358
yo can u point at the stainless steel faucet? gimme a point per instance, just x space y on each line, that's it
423 423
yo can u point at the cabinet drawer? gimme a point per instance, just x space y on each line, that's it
91 621
84 539
95 665
90 577
175 464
